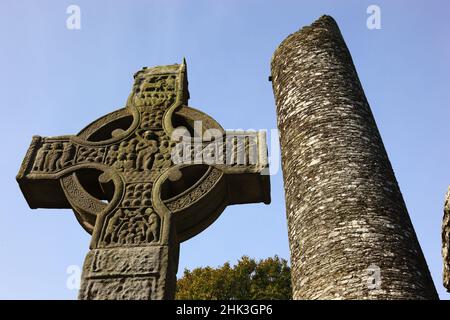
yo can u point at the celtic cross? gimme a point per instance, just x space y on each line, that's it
131 185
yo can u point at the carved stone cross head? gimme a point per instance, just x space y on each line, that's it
139 188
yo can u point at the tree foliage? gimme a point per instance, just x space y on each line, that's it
247 280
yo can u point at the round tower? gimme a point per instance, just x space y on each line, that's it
350 233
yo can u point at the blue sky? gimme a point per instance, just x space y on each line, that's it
55 81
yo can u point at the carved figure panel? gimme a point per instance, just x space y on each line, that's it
132 227
54 156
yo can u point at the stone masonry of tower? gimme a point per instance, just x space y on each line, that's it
346 216
446 241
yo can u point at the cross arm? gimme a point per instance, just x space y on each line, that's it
37 178
49 177
230 170
246 167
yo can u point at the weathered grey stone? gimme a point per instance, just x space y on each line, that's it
349 231
446 241
137 273
151 203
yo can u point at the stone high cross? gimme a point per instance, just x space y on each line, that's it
119 177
